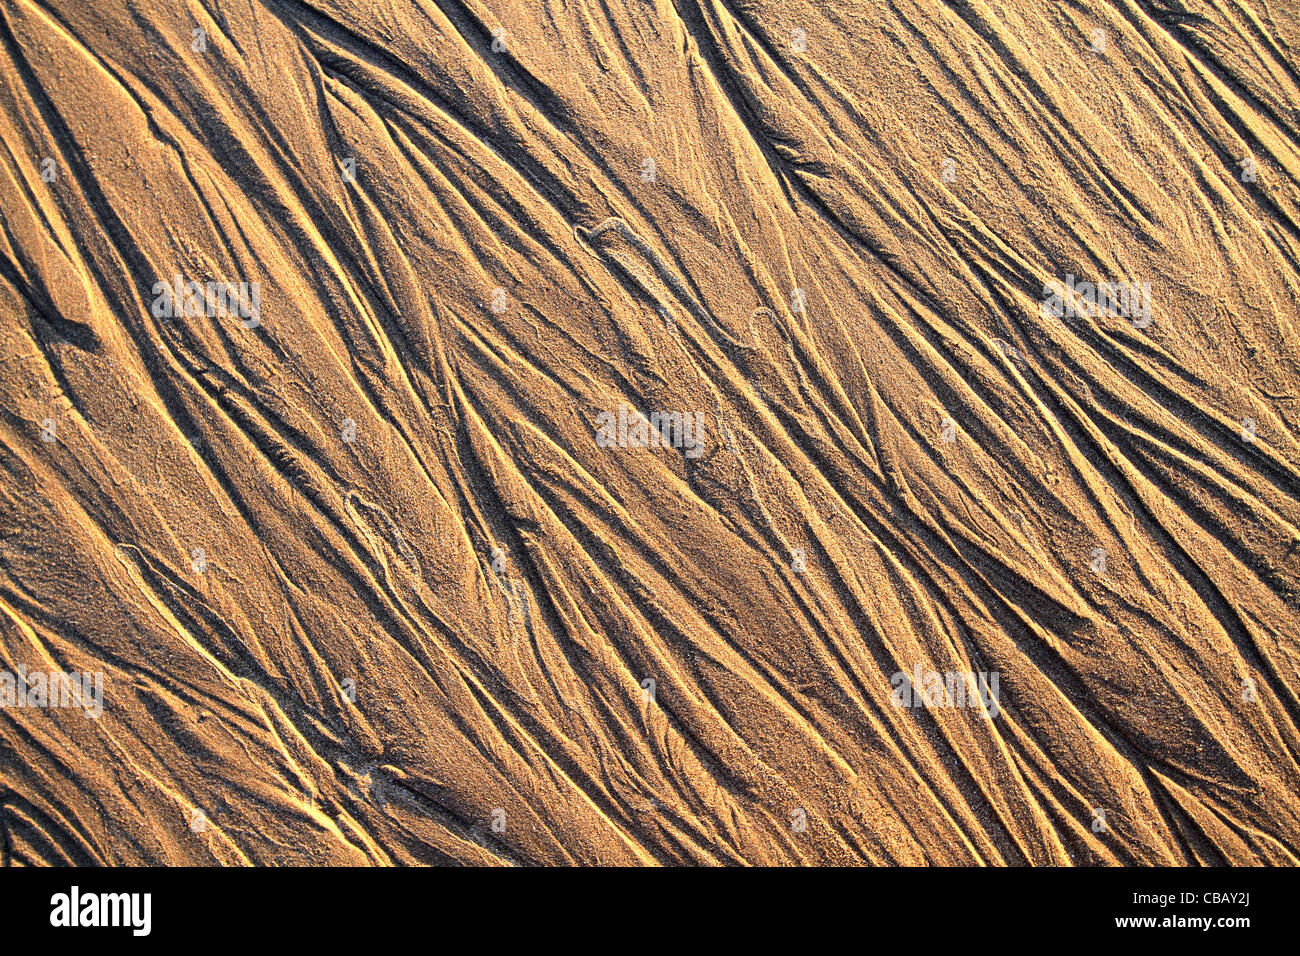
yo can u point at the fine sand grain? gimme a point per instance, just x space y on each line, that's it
626 432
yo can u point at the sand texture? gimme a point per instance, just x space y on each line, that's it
329 332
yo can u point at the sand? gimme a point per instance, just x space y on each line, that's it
649 433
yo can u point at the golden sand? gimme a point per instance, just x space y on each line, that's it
629 432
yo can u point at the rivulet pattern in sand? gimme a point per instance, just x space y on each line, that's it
607 431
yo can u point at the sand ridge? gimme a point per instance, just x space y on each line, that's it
651 433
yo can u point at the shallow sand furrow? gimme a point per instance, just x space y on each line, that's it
697 432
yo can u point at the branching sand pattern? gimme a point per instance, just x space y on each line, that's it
334 528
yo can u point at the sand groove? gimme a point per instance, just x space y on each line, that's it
366 587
